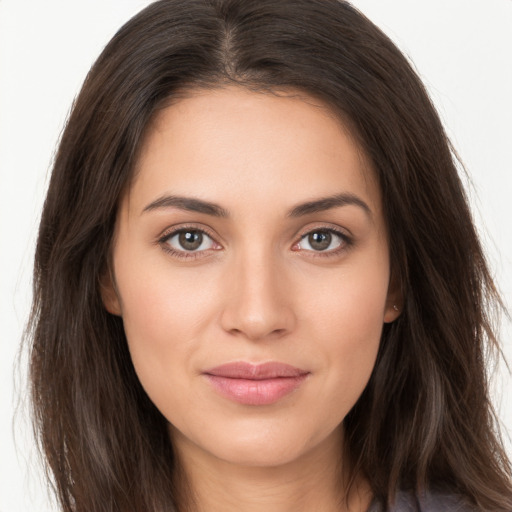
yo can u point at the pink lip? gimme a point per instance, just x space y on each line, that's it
255 384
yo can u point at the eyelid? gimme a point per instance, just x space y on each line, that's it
171 231
347 240
321 226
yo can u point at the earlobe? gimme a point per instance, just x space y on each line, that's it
394 300
109 295
392 313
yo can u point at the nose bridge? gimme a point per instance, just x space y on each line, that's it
258 305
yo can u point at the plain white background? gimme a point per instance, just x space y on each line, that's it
461 48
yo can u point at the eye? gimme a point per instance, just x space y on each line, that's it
188 240
322 240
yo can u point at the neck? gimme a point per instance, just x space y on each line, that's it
316 481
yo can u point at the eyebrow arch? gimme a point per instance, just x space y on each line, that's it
187 203
200 206
327 203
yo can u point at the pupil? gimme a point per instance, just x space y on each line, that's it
320 240
190 240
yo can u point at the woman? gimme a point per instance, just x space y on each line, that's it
250 259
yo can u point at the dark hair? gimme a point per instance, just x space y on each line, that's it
424 419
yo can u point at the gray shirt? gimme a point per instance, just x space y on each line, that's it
429 502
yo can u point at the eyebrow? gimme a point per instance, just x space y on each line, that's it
327 203
190 204
200 206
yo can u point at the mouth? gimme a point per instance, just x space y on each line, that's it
255 384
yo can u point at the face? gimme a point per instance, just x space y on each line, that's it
251 272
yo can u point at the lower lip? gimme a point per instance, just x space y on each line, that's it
255 392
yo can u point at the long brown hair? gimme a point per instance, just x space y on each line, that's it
425 419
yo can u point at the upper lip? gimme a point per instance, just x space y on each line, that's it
244 370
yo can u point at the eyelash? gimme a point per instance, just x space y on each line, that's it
345 244
183 255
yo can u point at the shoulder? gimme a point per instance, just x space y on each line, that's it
427 502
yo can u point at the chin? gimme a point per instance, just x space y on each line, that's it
263 453
264 445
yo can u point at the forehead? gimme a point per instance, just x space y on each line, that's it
232 142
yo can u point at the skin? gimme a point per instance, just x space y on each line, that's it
257 290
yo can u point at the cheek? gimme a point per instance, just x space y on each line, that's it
164 313
346 319
350 302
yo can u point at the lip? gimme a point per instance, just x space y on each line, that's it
255 384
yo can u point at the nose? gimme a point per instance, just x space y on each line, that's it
259 299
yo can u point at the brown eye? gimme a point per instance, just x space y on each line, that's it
189 240
322 240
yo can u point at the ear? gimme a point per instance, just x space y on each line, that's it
109 294
394 299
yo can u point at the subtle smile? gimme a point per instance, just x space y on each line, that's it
260 384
